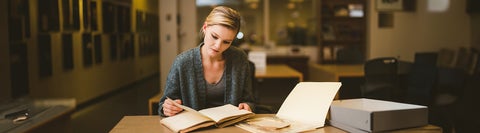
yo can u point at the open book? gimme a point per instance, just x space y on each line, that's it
190 119
304 109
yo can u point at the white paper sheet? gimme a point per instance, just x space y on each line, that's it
259 58
309 102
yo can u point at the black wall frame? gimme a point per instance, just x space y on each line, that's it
44 55
87 49
97 41
67 51
48 16
71 14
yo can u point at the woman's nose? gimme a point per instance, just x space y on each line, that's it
217 44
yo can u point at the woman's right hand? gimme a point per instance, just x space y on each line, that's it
169 108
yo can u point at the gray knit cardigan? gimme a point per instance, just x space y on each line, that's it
186 79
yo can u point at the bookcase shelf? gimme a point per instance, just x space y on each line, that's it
342 26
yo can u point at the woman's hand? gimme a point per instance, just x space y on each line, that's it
169 109
244 106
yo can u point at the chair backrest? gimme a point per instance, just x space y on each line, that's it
422 78
451 81
446 57
381 78
464 59
476 67
466 112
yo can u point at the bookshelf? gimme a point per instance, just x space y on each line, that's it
342 33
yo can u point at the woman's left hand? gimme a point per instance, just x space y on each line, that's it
244 106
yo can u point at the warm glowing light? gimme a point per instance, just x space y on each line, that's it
438 5
240 35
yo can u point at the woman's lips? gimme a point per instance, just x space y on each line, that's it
214 50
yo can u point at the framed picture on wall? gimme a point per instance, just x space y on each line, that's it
48 16
19 20
44 55
123 16
19 69
108 14
389 5
113 47
140 21
87 14
87 49
71 13
94 15
97 41
126 47
395 5
67 51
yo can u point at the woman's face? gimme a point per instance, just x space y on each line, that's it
217 39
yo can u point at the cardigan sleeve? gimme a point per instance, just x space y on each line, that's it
172 87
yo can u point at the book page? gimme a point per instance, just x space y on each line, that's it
224 113
233 120
309 102
185 120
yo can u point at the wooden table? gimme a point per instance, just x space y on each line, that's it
151 124
279 71
298 62
44 115
272 71
352 77
333 72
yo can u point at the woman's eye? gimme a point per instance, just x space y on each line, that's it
214 37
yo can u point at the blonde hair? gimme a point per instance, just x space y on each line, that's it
224 16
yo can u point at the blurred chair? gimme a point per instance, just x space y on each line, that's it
466 113
450 85
476 67
259 108
464 59
422 78
475 64
446 57
448 89
381 79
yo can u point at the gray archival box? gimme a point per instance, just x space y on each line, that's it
369 115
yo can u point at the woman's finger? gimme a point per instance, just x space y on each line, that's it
244 106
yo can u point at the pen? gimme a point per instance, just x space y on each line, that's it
174 103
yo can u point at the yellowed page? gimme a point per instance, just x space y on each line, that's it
233 120
224 113
309 102
185 120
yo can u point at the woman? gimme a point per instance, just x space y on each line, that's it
212 74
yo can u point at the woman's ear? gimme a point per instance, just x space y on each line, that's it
204 27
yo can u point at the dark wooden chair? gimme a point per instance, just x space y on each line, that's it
381 79
422 78
448 90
